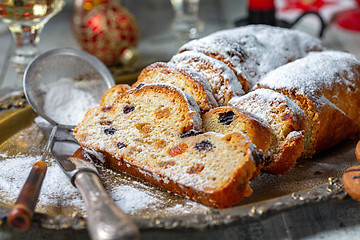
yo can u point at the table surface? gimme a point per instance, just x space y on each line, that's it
338 219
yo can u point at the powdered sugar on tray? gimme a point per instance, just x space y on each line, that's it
67 104
133 197
56 188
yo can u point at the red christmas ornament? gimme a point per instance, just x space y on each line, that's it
107 31
307 5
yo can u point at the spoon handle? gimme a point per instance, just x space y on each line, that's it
23 210
105 220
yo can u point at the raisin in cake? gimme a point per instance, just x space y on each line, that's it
287 123
152 132
228 119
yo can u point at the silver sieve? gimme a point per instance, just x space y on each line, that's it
92 77
87 72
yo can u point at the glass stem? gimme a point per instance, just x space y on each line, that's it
186 21
26 44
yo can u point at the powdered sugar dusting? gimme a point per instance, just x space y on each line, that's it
199 78
56 189
67 104
221 78
132 199
312 74
57 192
197 120
262 48
167 73
261 99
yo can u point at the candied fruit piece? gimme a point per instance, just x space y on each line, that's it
178 149
160 144
106 122
106 108
197 168
144 128
166 164
163 113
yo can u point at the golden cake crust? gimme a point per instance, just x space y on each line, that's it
221 78
111 94
286 122
326 86
187 80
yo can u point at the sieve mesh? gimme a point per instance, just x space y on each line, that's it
87 73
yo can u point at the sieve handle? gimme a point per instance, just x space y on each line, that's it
23 210
105 220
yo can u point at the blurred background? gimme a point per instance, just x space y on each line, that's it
141 32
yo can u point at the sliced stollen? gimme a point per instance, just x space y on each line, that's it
187 80
152 132
228 119
156 105
112 93
221 78
326 85
287 124
254 50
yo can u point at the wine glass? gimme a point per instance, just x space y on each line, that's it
26 19
186 22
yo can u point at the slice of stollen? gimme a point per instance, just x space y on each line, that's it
152 133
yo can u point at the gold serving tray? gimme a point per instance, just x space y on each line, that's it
311 181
